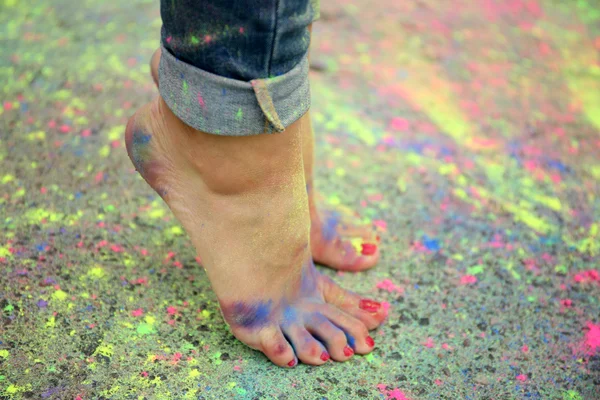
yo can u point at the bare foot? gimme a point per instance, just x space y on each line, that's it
243 202
338 239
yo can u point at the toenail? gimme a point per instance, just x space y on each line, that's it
368 249
370 341
324 356
369 305
292 363
348 351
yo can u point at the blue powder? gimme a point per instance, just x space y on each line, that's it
251 315
329 229
431 244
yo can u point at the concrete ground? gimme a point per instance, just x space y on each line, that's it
467 131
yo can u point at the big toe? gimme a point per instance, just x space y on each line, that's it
346 254
370 312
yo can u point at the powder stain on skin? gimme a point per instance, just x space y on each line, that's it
329 226
140 149
248 315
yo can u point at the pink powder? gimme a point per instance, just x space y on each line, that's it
592 338
137 313
566 303
530 264
386 307
418 246
395 394
525 349
521 377
438 382
530 165
388 285
591 275
429 343
171 310
380 224
468 279
399 124
201 101
496 244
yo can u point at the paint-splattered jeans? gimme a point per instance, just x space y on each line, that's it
236 67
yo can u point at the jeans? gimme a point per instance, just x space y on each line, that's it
234 67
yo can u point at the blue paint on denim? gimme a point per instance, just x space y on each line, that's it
238 39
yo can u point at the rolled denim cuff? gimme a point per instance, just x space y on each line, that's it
229 107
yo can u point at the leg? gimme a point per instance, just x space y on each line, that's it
337 237
242 200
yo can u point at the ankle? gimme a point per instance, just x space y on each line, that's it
231 165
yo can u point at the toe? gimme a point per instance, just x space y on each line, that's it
357 333
369 312
333 337
308 349
346 255
276 347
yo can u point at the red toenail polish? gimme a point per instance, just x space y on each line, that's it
370 341
368 249
292 363
324 356
369 305
348 351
